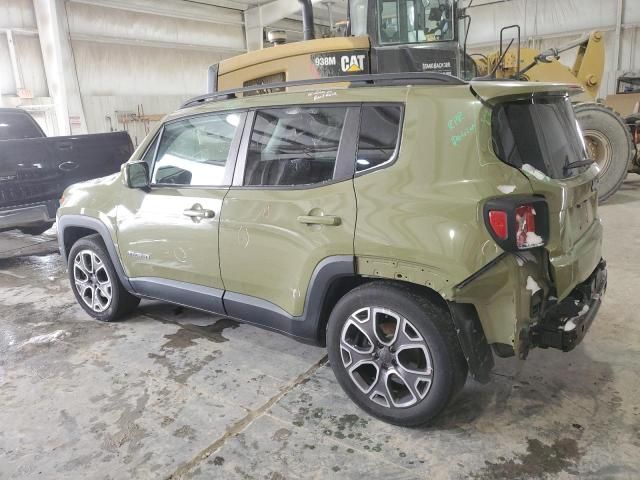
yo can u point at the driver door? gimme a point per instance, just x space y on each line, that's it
168 235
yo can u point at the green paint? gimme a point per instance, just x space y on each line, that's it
485 116
455 120
457 138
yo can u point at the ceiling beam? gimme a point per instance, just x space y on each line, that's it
174 8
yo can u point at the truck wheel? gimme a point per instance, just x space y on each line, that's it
395 352
95 282
36 229
608 142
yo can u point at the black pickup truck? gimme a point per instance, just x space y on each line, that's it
35 170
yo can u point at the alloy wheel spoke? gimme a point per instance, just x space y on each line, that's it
386 322
352 355
380 393
105 291
365 375
363 320
417 383
79 264
407 335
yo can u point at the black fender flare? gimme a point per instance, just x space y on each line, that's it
90 223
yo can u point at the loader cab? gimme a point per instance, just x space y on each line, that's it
411 35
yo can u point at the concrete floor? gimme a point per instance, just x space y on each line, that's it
172 393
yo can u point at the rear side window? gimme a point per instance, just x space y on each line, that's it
542 133
379 132
17 126
294 146
194 151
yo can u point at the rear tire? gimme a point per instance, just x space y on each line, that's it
395 352
95 283
608 139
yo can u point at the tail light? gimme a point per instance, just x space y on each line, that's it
498 222
518 222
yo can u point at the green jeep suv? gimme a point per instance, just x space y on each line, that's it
415 225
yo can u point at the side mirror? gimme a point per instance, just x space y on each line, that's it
137 174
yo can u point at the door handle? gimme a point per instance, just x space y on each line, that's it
68 166
197 212
330 220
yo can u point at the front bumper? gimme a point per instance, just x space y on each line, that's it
564 324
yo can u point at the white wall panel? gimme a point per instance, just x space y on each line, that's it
120 26
17 14
107 69
7 85
29 56
98 108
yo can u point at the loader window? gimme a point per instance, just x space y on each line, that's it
415 21
540 133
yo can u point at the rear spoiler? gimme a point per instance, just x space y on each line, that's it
491 93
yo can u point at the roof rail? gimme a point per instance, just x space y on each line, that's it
380 79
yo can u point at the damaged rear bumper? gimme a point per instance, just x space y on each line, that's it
564 324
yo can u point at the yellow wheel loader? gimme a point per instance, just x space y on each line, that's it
390 36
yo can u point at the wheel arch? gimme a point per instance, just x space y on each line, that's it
72 228
464 318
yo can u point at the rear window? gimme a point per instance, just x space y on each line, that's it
18 126
541 133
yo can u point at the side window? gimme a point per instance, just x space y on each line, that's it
294 146
379 130
194 151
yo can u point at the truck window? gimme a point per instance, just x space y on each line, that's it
18 125
379 132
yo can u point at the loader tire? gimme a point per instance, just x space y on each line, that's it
608 142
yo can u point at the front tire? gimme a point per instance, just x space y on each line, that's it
395 352
95 282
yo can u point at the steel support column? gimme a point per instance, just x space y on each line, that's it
59 66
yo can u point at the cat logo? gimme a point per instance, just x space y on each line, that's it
352 63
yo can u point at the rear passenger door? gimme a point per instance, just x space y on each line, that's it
292 203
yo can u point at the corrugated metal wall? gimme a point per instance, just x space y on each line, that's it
127 61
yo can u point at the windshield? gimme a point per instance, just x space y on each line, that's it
540 134
415 21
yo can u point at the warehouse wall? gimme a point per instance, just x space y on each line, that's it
134 62
145 57
17 16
